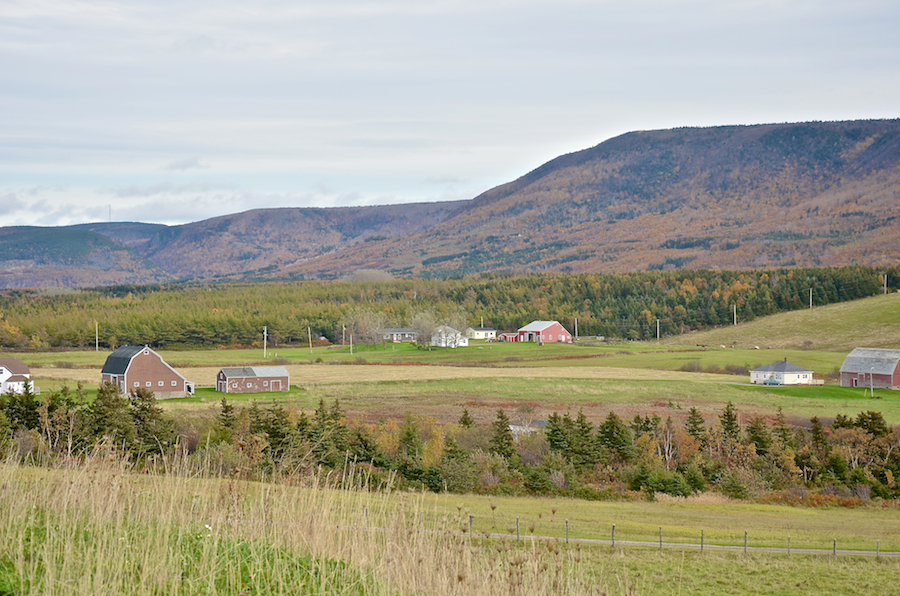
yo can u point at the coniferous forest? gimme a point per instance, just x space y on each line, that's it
623 306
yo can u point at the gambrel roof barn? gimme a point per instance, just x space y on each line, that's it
131 367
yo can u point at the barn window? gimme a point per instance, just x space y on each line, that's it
137 384
234 385
174 383
161 383
148 383
146 352
265 383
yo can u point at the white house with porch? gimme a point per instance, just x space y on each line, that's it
781 373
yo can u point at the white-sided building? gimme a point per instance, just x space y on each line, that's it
14 376
448 337
781 373
481 333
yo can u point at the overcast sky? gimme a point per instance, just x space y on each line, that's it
175 111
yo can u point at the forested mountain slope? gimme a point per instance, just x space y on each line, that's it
735 197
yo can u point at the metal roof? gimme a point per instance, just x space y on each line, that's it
540 325
15 366
117 362
879 361
255 371
782 366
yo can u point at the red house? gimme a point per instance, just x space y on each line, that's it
544 332
131 367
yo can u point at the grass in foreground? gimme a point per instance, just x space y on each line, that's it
98 529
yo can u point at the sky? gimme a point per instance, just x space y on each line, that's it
171 111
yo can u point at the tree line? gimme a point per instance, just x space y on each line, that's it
613 305
852 460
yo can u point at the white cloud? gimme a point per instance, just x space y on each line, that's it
362 102
188 163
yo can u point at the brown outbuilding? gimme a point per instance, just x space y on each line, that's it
253 379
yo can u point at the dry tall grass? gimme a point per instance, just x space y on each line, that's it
97 528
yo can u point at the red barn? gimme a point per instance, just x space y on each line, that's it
131 367
544 332
871 367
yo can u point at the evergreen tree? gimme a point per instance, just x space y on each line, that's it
108 416
783 431
818 436
227 416
758 434
153 432
555 431
583 447
466 420
731 429
502 441
873 423
410 443
695 425
615 436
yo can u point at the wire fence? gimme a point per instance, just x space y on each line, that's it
566 532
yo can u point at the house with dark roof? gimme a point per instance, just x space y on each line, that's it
131 367
14 376
871 367
781 373
253 379
399 334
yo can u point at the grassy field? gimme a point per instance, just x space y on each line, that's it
101 530
388 391
870 322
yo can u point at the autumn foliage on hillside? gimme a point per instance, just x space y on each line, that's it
613 305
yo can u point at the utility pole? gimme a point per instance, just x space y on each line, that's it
265 341
576 328
810 298
96 336
735 313
351 344
657 330
343 331
885 284
309 333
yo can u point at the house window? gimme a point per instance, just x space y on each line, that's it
146 352
161 383
174 383
265 383
234 385
137 384
148 383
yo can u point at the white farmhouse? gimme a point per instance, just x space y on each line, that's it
14 376
781 373
448 337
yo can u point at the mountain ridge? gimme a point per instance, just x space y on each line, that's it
764 195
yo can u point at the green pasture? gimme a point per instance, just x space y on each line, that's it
710 359
476 353
723 522
870 322
538 397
